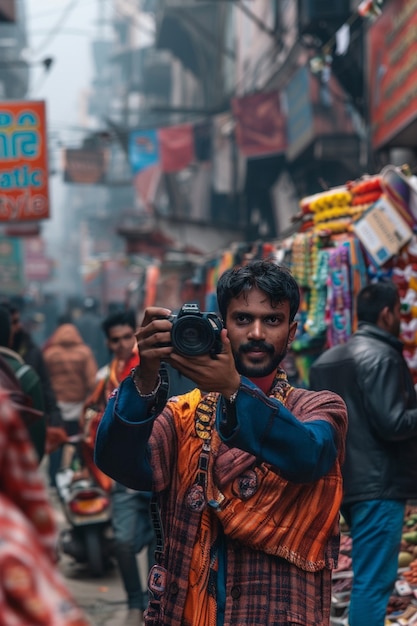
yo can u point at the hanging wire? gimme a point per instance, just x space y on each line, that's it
54 11
327 47
55 30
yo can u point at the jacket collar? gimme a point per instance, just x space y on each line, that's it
368 329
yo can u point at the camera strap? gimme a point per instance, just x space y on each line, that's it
162 394
161 400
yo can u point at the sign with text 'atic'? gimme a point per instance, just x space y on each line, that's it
23 162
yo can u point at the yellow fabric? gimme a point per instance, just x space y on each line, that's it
200 606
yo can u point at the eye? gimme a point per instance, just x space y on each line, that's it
242 318
274 320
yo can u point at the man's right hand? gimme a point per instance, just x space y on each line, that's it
154 344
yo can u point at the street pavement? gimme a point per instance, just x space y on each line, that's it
102 599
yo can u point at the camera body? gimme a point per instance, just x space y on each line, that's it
194 332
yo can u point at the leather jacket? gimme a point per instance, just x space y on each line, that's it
371 375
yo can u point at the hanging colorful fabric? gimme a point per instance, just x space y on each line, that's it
339 304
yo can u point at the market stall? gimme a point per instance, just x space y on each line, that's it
346 237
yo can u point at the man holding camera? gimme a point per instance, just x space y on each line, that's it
245 468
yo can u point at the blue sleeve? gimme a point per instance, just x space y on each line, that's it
122 436
300 451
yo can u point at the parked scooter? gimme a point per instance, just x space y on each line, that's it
88 538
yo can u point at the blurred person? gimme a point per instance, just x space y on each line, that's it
380 470
32 590
245 468
131 519
24 345
72 370
27 379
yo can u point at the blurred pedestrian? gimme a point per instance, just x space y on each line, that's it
32 590
31 353
131 520
380 471
72 369
28 380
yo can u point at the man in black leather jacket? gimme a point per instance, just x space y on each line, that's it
380 471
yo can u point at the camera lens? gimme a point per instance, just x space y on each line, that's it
192 336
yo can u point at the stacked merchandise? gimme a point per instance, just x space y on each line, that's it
404 274
351 235
329 264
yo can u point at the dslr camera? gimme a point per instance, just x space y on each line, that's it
194 332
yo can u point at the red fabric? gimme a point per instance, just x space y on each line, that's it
96 403
146 183
32 591
152 277
176 147
260 124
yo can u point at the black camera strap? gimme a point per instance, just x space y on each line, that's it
162 394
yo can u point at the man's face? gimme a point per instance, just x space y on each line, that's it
259 333
121 341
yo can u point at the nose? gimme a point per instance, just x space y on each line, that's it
256 330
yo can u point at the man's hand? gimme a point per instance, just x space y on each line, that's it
210 374
154 344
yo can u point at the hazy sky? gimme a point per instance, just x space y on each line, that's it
61 29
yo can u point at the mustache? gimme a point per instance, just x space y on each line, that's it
257 345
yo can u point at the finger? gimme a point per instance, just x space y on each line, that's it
154 312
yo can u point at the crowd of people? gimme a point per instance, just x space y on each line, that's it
228 473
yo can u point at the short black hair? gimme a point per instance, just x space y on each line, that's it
373 298
119 318
276 281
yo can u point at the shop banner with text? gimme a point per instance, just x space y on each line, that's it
392 78
85 166
24 192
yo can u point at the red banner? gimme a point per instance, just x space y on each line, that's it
176 145
260 124
23 162
392 53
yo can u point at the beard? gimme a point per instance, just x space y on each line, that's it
263 369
